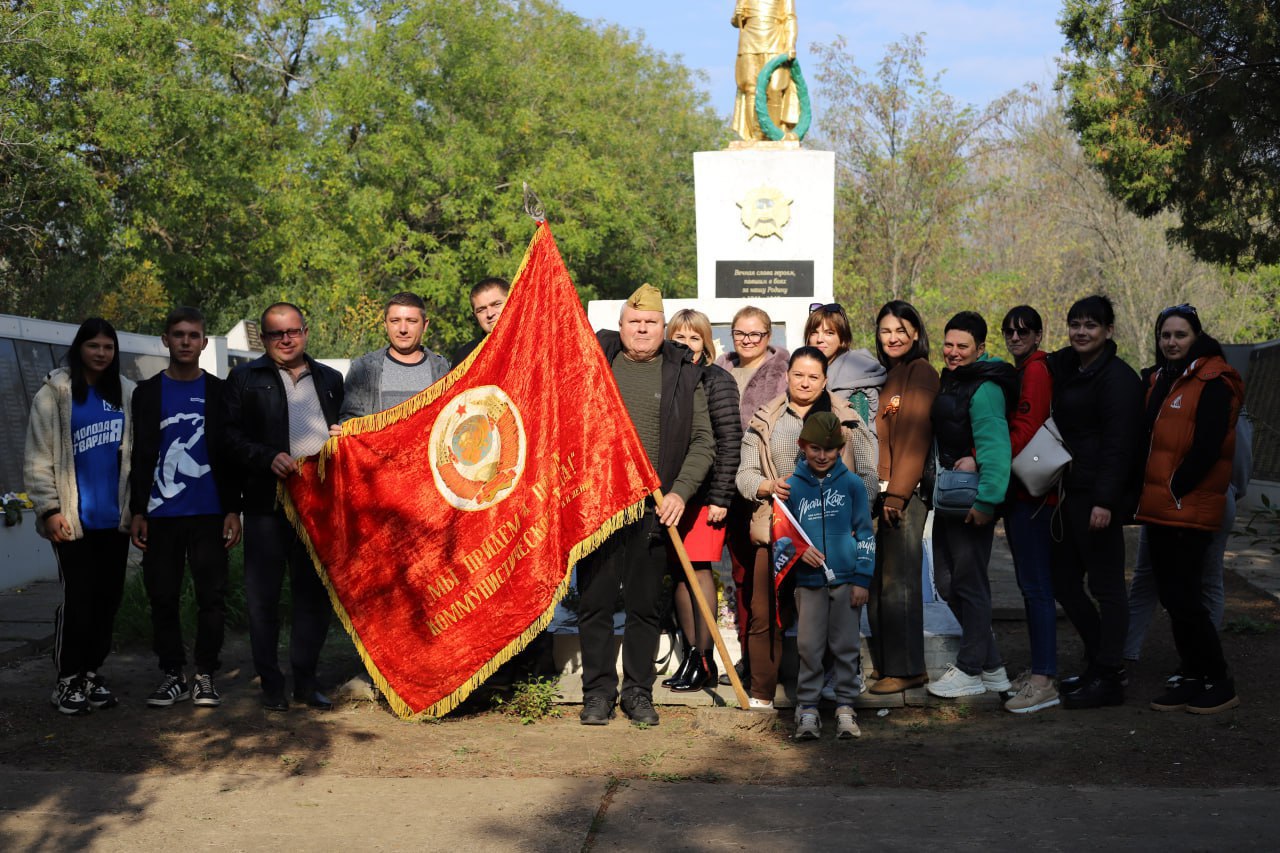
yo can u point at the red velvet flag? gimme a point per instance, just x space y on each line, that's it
445 528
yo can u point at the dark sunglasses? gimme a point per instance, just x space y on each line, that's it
1018 333
830 307
1184 308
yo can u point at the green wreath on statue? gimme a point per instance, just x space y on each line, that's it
767 127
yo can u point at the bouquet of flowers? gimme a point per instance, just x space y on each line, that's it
14 503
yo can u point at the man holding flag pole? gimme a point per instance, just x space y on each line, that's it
661 389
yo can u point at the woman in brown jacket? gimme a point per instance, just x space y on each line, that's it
896 608
1193 400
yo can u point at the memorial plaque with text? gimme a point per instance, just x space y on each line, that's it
763 279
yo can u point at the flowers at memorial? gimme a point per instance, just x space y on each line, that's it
14 503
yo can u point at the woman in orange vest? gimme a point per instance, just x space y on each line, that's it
1193 400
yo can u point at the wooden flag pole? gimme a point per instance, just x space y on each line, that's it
705 609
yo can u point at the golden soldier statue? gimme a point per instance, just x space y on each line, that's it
766 28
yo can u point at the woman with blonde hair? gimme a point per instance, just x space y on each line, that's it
760 371
704 521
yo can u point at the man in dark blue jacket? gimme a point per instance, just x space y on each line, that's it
278 409
185 501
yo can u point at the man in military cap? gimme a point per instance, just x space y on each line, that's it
662 390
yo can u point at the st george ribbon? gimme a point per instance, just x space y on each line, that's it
445 528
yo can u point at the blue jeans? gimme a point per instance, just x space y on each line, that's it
1028 532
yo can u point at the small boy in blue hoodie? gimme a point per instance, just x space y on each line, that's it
831 578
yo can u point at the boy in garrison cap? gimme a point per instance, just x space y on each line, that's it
661 390
830 503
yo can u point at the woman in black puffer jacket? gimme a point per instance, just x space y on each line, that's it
1097 405
704 529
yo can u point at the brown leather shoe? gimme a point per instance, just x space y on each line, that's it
895 684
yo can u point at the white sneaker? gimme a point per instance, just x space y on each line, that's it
996 680
847 723
760 704
955 683
809 725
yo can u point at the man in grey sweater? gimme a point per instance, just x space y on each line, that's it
662 393
386 377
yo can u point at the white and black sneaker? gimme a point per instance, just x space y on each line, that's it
68 696
173 689
97 693
203 693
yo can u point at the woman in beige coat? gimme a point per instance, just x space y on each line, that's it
77 475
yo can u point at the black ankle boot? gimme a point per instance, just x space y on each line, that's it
696 677
683 670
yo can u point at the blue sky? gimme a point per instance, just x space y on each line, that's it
985 48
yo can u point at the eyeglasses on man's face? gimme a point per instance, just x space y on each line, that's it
276 335
749 337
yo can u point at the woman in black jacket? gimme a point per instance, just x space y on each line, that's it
1097 405
693 329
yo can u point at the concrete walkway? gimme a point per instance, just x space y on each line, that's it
104 812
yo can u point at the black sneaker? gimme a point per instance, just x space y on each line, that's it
173 689
1216 695
1097 692
596 711
639 707
68 696
1072 683
96 692
203 693
1179 689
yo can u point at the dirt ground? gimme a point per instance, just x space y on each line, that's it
946 747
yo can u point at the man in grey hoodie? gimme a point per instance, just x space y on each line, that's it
386 377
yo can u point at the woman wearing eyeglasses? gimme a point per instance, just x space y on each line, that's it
1026 518
79 441
895 610
1097 405
1193 401
760 369
852 375
769 453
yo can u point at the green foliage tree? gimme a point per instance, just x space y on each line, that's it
1175 103
332 153
905 151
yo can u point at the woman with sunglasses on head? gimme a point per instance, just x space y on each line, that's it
1097 405
1027 518
77 474
709 508
895 610
769 452
1193 401
853 375
760 369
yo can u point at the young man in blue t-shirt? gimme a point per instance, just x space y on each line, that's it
186 508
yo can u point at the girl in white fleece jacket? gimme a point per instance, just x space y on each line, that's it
77 475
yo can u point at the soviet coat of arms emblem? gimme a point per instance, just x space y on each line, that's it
477 448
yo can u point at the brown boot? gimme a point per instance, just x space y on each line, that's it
896 684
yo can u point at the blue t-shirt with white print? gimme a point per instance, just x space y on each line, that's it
97 431
182 484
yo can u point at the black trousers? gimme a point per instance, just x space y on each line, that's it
634 559
172 543
895 608
1177 560
961 554
271 545
1099 556
92 574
